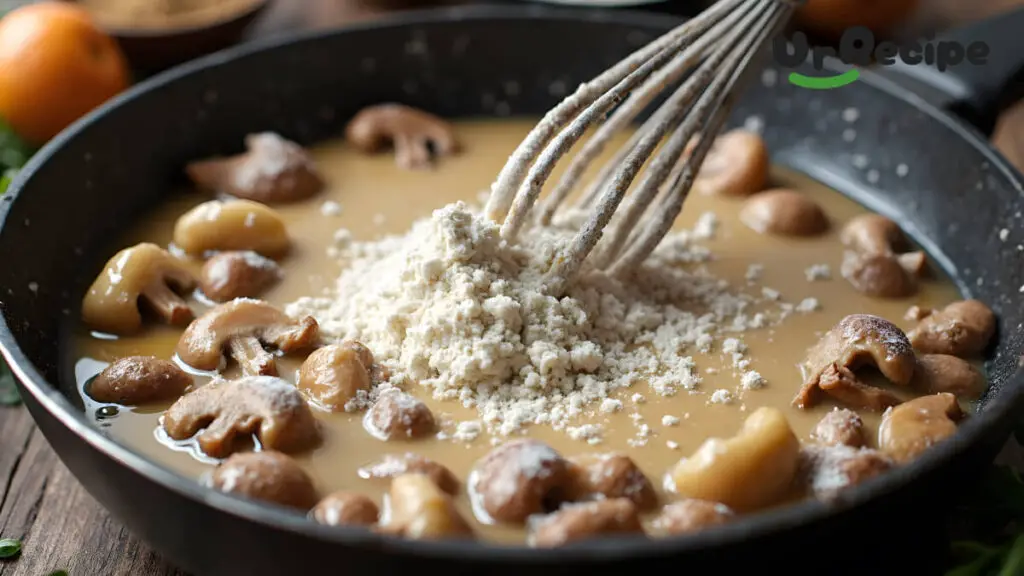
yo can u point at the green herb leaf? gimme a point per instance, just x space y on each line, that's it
1013 565
8 389
6 178
58 573
14 152
9 548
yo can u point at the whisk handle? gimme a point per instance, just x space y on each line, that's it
976 93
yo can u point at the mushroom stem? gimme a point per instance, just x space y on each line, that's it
251 357
167 304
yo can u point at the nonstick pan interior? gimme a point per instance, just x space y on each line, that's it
869 140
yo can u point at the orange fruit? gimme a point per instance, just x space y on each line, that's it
831 17
55 66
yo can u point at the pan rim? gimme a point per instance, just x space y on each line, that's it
762 524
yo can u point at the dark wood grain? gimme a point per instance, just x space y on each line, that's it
62 527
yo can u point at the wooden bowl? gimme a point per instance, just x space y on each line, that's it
151 50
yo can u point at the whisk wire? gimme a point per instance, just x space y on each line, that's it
717 49
514 171
663 217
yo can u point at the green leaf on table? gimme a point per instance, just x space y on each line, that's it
1013 565
14 152
6 178
9 548
58 573
8 388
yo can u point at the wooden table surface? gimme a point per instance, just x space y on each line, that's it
63 528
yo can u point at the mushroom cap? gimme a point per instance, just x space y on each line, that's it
272 170
232 225
202 344
112 302
138 380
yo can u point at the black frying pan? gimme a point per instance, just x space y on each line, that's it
75 195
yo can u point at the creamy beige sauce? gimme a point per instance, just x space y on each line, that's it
379 198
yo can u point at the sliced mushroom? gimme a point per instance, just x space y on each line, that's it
691 515
961 329
139 380
397 415
143 275
332 376
749 471
417 509
878 275
241 328
736 165
217 226
857 340
239 274
272 170
785 213
226 411
877 264
344 508
576 522
840 427
827 470
519 479
393 466
913 427
943 373
416 136
611 476
268 476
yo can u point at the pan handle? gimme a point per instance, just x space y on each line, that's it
976 93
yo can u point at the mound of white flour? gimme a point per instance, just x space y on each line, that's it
451 306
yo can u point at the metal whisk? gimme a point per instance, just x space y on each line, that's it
716 48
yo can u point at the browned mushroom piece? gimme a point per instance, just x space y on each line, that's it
417 137
237 274
962 329
913 427
691 515
877 275
397 415
271 170
268 476
378 372
601 476
418 510
840 427
857 340
584 521
220 226
783 212
241 328
736 165
144 275
827 470
344 508
139 380
877 264
332 376
519 479
944 373
392 466
224 412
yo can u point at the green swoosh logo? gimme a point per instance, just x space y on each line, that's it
824 83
